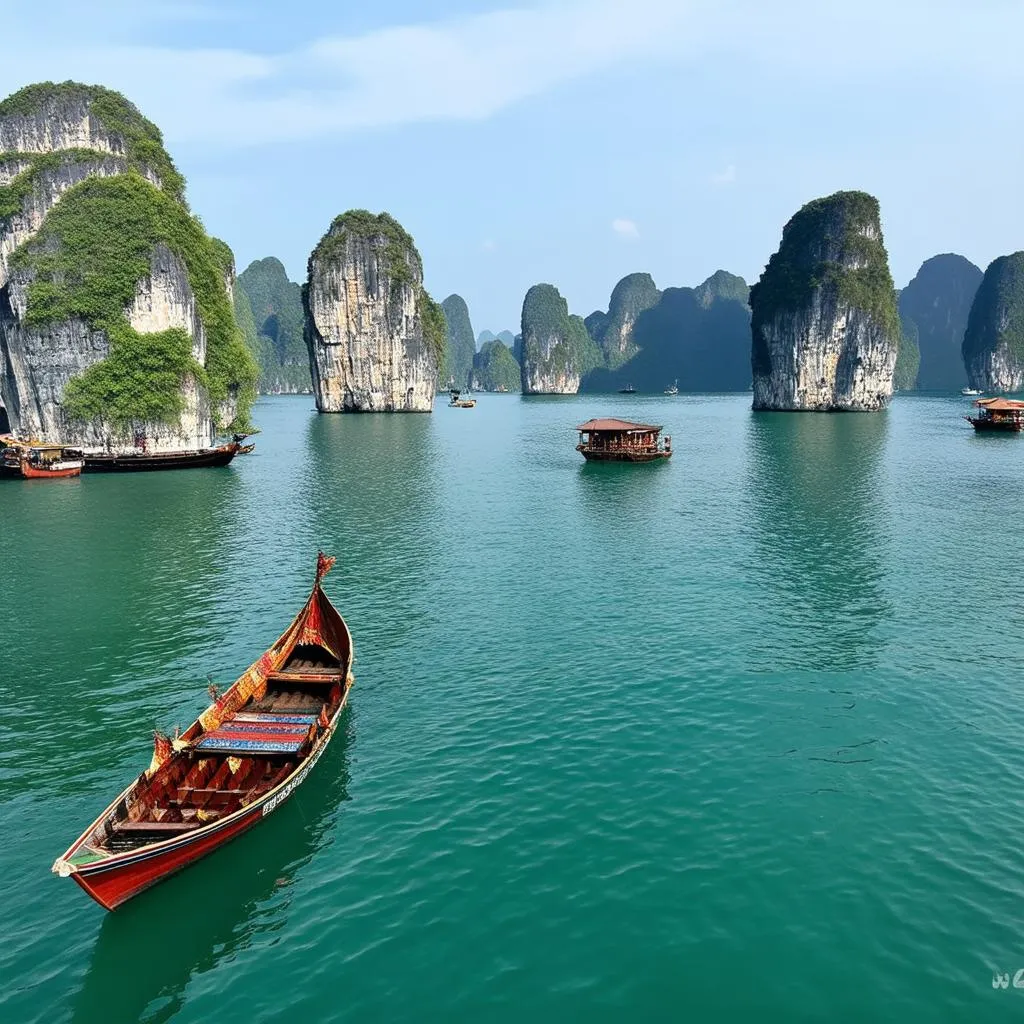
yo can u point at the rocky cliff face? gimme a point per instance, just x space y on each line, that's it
556 349
104 335
461 346
993 347
937 301
824 322
375 337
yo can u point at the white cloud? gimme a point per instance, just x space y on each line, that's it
726 176
427 72
625 228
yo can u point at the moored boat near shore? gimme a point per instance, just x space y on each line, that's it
244 755
33 460
143 461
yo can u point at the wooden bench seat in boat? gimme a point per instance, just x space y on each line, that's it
268 734
311 674
156 826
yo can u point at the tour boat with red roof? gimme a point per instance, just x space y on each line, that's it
612 440
244 755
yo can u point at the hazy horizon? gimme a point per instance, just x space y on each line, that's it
569 142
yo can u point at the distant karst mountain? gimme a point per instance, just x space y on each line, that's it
461 346
613 331
376 339
937 302
116 320
495 368
556 349
826 332
269 309
698 336
506 337
993 346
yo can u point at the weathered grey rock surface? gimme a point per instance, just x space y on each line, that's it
375 337
824 322
54 138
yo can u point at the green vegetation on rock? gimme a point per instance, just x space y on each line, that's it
545 320
141 141
495 368
275 309
461 346
630 297
996 319
84 264
722 285
831 243
380 228
401 260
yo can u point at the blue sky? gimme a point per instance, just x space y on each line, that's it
570 141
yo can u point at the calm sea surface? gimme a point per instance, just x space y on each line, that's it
737 737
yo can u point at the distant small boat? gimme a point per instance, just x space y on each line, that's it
457 402
247 449
627 390
673 389
970 391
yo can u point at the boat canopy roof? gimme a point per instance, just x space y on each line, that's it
1000 404
616 426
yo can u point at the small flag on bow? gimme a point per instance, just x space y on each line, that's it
324 564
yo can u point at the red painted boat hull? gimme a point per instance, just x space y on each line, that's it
115 881
30 472
113 874
117 884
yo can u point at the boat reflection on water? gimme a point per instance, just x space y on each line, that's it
148 951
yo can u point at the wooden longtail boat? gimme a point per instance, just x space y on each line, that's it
135 462
244 755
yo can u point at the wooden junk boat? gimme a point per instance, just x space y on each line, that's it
244 755
1003 414
33 460
610 440
142 460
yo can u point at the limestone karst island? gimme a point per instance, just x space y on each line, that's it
498 504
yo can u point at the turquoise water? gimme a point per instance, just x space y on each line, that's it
735 737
